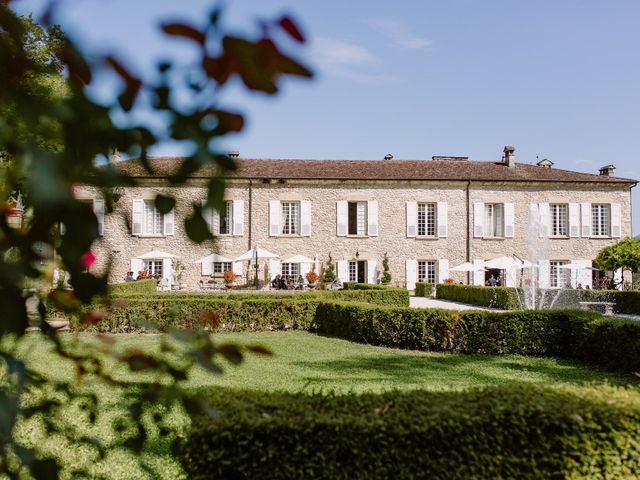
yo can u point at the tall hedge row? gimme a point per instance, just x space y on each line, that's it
139 287
627 302
523 432
608 342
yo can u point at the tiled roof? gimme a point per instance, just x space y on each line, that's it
377 169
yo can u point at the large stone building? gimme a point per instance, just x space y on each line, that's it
427 215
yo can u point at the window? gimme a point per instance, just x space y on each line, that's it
427 271
427 219
353 271
600 213
494 220
220 267
153 219
292 269
559 220
226 218
560 277
153 265
357 218
290 218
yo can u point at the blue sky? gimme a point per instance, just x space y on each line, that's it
557 79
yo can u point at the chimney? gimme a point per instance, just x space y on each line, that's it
545 162
115 156
233 154
388 156
509 158
607 170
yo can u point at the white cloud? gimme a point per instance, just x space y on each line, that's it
399 34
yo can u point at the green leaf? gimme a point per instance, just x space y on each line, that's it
196 227
164 204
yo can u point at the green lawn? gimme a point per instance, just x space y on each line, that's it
301 362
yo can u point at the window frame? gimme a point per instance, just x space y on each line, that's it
357 222
601 213
427 270
491 225
559 276
158 219
559 226
429 213
290 212
220 266
154 265
225 218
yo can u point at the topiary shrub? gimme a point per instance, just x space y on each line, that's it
523 432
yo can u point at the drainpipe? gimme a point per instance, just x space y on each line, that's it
250 211
468 232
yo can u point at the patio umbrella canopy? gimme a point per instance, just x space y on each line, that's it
256 253
214 257
467 267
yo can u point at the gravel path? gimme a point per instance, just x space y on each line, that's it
422 302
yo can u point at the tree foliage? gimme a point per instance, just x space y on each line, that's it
624 254
51 133
386 274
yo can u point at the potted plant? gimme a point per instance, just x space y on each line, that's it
312 278
229 278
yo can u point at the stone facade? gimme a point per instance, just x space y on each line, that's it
118 246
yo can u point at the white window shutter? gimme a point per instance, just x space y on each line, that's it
443 270
167 270
275 213
305 267
410 274
168 222
98 211
274 268
136 266
343 270
305 218
237 268
586 219
216 222
207 268
412 219
136 216
207 215
372 221
238 217
341 218
544 274
478 219
372 271
509 220
574 220
585 274
443 219
545 219
478 272
616 220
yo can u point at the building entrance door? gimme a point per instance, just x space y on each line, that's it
362 271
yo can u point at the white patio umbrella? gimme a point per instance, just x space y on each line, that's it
467 267
502 263
577 266
256 253
156 254
214 257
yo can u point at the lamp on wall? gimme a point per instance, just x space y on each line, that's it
357 254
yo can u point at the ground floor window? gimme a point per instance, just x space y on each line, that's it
560 277
220 267
358 271
154 266
292 269
427 271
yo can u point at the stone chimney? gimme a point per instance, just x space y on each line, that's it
607 170
115 156
233 154
509 158
388 156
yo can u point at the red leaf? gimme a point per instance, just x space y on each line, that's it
230 352
229 121
210 318
93 317
259 349
88 259
289 26
182 30
140 361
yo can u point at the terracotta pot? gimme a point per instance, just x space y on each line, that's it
228 285
312 285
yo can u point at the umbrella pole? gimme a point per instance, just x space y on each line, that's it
255 282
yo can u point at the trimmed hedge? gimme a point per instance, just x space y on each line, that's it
424 289
524 432
139 287
363 286
587 336
627 302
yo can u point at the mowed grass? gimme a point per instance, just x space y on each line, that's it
301 362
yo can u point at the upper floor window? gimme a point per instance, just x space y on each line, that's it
493 220
357 219
427 271
600 217
559 220
153 219
290 218
427 219
229 220
226 218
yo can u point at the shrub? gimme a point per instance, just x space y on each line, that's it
386 273
362 286
229 276
424 289
496 297
312 277
329 274
145 287
524 432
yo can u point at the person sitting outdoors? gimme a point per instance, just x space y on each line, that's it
300 283
129 277
275 283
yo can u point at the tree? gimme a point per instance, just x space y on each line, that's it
51 133
623 255
386 274
329 272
